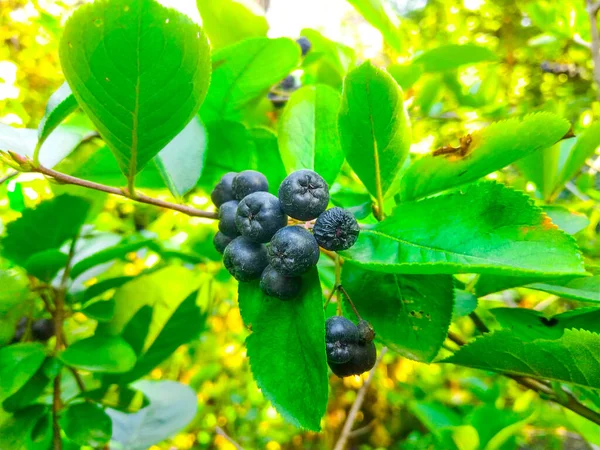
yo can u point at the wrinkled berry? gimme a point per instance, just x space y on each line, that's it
221 241
336 229
223 191
341 335
247 182
259 215
304 44
304 194
363 360
365 331
293 251
245 260
276 285
226 215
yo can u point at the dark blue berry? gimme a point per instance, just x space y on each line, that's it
336 229
247 182
293 251
221 241
245 260
341 335
304 195
223 192
259 215
276 285
304 44
226 215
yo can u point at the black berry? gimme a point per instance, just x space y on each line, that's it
247 182
42 329
221 241
341 336
288 83
223 192
226 214
259 215
276 285
336 229
293 251
304 195
363 359
277 100
20 330
304 44
245 260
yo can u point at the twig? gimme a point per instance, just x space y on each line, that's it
78 379
358 401
341 288
330 296
592 10
8 176
338 280
221 432
362 430
141 198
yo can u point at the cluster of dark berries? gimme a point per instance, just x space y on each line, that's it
571 70
254 235
350 348
41 330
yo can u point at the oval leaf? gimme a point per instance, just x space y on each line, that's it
452 56
86 424
100 353
139 70
60 105
18 363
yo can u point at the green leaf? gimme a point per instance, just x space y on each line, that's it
542 167
491 149
227 22
100 353
18 363
296 380
55 148
172 406
572 358
106 255
452 56
102 310
308 134
86 424
570 222
374 128
464 303
17 432
46 264
121 398
139 70
584 148
380 14
30 391
27 236
405 75
245 71
411 314
267 157
181 162
103 286
60 105
487 228
13 303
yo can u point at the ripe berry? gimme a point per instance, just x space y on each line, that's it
288 83
221 241
276 285
304 194
304 44
336 229
227 218
278 101
259 216
363 359
245 260
223 192
341 336
42 329
293 251
247 182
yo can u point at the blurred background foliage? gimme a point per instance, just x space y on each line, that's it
537 59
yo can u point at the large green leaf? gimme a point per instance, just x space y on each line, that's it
245 71
570 222
13 302
17 433
139 70
487 228
172 406
308 134
45 265
572 358
380 14
18 363
86 424
31 234
452 56
287 351
228 21
374 128
100 353
60 104
267 158
542 167
410 313
31 391
490 149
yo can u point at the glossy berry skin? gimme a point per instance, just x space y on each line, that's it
245 260
304 194
336 229
247 182
221 241
341 336
223 190
276 285
259 216
363 360
226 215
293 251
304 44
42 329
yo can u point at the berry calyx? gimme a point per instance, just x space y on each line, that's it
336 229
293 251
277 285
304 195
247 182
245 260
259 216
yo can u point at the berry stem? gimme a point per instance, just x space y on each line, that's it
338 280
330 296
343 291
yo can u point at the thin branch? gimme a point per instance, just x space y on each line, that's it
141 198
8 176
358 401
221 432
592 9
338 280
362 430
341 288
330 296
